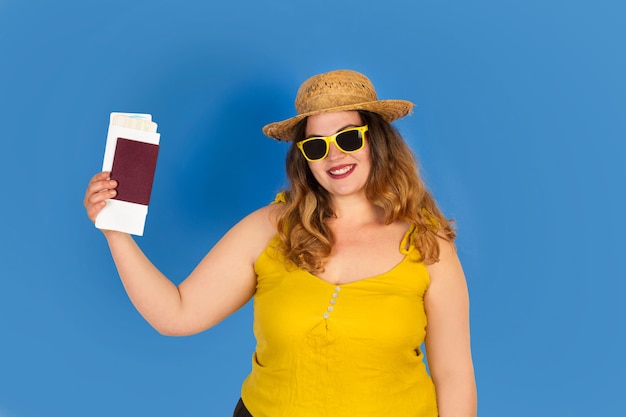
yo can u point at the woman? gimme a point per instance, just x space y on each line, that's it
351 271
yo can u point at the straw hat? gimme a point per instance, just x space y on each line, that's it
339 90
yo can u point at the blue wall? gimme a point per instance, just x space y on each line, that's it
519 126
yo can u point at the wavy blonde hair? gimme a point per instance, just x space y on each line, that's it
394 185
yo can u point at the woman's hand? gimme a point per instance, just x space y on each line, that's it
100 188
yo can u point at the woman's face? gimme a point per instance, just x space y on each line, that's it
341 174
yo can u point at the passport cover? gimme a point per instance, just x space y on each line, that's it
134 164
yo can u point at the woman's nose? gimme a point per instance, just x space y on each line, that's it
334 152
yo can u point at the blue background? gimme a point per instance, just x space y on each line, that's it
519 125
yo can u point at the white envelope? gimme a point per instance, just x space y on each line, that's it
125 216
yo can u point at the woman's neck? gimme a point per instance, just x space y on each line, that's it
356 210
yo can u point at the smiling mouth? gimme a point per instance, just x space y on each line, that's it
341 170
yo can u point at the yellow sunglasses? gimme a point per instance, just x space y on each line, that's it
348 140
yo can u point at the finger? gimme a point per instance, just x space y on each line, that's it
99 186
96 202
100 176
99 189
94 210
100 196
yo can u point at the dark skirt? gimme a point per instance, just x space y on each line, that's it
241 410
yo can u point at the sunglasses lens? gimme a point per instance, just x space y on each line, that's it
314 149
350 141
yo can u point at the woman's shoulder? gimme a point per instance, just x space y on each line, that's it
262 223
251 235
263 220
448 263
269 213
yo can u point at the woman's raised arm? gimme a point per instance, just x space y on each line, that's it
221 283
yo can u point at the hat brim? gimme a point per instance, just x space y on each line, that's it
389 110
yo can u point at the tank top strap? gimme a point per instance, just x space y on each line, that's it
407 244
280 198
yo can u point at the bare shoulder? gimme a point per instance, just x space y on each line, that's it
252 234
448 265
269 213
262 220
447 298
447 307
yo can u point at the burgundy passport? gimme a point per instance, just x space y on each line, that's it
133 168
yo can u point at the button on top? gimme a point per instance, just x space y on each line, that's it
332 301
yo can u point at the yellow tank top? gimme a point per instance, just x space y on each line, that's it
349 350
